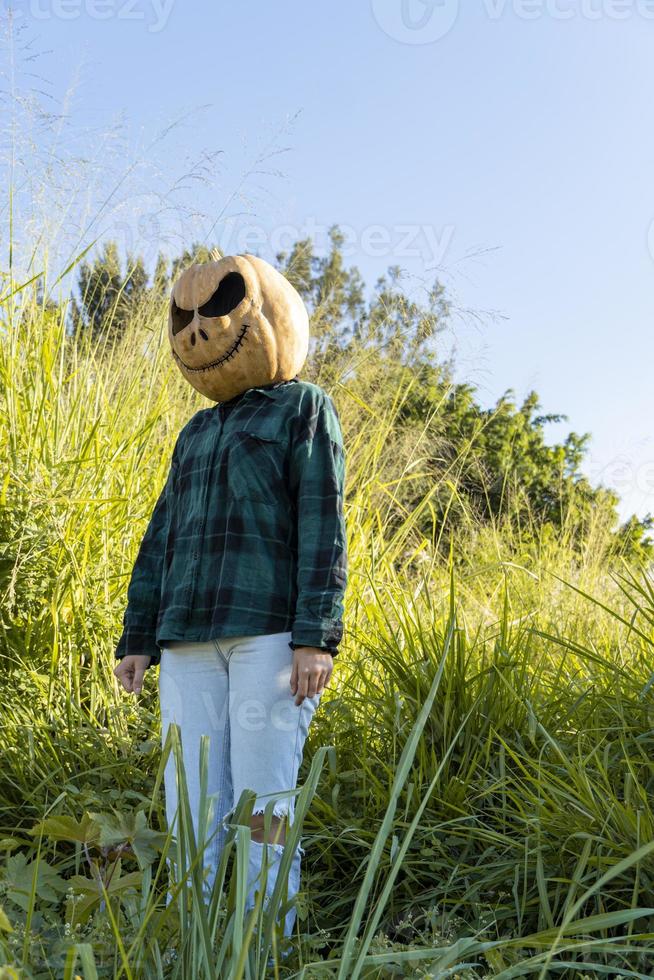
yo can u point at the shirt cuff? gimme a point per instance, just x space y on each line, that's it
332 650
325 634
138 642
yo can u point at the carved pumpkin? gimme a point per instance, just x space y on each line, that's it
235 324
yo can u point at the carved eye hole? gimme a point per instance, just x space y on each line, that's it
230 292
181 318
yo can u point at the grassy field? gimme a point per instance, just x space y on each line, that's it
476 792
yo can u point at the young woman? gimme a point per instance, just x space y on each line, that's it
238 586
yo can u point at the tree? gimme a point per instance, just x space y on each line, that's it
107 294
498 457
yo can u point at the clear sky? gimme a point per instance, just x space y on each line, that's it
506 147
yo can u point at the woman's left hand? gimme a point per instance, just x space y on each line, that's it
311 673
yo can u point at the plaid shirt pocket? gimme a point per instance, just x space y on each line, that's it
257 467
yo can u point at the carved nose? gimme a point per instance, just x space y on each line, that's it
197 329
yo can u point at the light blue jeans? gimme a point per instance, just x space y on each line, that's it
237 691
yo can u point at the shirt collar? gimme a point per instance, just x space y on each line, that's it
267 390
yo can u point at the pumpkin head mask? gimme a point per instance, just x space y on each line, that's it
236 324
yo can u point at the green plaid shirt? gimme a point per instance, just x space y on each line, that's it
247 535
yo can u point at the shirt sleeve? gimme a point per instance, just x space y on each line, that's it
144 590
317 478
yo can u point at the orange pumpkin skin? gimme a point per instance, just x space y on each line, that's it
235 324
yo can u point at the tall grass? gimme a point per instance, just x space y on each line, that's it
476 793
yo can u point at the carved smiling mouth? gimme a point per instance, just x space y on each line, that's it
234 349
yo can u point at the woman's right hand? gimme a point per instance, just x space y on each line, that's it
130 672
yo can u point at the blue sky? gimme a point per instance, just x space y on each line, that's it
506 147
